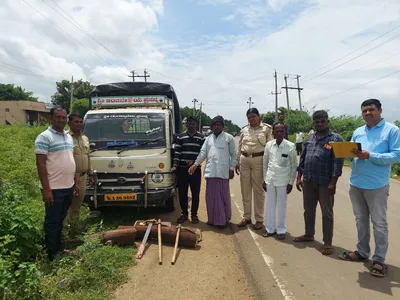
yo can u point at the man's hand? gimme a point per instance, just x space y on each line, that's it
192 169
264 185
189 163
173 169
231 174
289 189
299 185
77 190
91 180
361 154
237 169
331 188
48 197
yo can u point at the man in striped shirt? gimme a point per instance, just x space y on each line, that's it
56 167
187 149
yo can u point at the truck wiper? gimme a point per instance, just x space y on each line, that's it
140 144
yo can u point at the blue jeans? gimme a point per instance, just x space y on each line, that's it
53 220
371 204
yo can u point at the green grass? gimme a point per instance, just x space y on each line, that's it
25 272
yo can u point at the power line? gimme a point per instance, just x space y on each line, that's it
348 54
365 52
59 28
360 85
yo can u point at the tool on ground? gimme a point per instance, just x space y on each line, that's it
145 237
159 242
176 243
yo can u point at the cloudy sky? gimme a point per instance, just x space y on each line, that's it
220 52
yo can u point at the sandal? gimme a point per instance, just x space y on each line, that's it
267 234
243 223
303 238
195 220
281 236
378 272
348 257
327 250
181 219
258 225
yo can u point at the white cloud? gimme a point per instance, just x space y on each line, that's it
222 71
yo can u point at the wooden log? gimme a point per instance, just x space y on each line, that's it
189 237
120 237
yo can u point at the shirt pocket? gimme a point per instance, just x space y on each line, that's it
284 160
76 150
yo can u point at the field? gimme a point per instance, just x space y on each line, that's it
25 273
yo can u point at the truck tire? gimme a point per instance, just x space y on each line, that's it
170 203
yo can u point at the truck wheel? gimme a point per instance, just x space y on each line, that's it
170 203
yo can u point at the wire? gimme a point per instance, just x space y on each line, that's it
365 52
59 28
348 54
360 85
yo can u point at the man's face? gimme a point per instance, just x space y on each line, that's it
76 124
279 132
321 124
371 114
281 117
59 119
217 127
191 125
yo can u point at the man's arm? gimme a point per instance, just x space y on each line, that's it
300 168
203 153
232 152
177 153
337 163
239 152
293 164
42 171
265 161
391 157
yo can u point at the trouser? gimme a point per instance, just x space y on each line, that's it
299 148
312 194
251 180
276 196
75 208
184 181
366 204
53 220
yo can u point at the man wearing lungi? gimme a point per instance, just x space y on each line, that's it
219 151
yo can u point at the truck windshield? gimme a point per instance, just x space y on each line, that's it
136 128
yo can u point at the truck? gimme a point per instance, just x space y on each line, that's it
131 128
205 130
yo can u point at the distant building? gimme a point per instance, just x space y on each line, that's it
24 112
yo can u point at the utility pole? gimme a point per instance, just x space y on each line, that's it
276 96
299 90
249 102
287 91
71 88
201 108
146 74
194 106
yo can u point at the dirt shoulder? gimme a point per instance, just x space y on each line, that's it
212 271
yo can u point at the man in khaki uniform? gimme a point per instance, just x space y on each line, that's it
252 141
83 167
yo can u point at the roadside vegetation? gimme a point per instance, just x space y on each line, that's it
25 273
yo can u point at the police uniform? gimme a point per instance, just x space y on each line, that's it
250 157
83 170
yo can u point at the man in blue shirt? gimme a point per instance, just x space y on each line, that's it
369 183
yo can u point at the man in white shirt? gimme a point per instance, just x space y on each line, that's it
299 142
280 164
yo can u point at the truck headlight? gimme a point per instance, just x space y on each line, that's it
157 178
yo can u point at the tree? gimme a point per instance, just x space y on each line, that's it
345 125
15 93
397 123
80 106
81 90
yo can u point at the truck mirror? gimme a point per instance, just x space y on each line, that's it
92 146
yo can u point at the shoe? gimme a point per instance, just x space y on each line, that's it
195 220
182 219
258 225
243 223
281 236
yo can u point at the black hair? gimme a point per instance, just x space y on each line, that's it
281 113
375 102
74 115
56 108
191 118
253 110
278 123
320 114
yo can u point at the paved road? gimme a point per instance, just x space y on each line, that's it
299 271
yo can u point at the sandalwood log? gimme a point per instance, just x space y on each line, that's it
120 237
189 237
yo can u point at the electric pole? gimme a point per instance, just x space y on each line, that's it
287 91
146 74
71 88
194 106
299 90
201 108
276 96
249 102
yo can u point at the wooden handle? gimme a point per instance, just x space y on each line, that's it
176 245
139 254
159 244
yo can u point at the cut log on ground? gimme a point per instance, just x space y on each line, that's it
189 237
120 237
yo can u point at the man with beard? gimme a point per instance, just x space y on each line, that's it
320 171
219 151
369 183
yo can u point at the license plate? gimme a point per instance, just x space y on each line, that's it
120 197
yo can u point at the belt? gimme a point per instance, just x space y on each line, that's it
252 154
